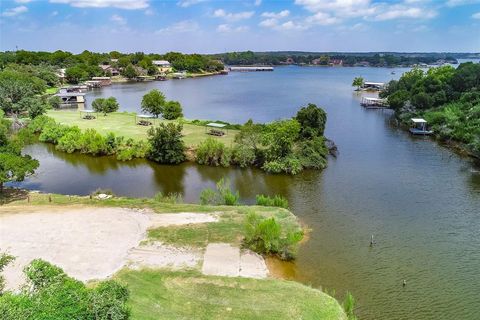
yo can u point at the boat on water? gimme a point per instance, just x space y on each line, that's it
393 72
419 127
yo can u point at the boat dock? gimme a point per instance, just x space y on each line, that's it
373 103
250 68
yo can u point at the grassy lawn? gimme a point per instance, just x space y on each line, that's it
123 124
51 90
191 295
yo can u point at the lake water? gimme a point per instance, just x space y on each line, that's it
419 200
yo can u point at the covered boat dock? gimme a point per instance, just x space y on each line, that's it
419 127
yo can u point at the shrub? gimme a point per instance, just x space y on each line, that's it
349 306
52 132
172 110
55 102
5 259
213 152
267 236
54 295
312 153
172 198
37 124
243 156
92 142
290 165
275 201
227 196
138 149
70 142
208 197
222 196
166 143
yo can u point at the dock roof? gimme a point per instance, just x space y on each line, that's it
216 125
419 120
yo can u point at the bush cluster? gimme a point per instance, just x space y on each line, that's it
72 139
223 195
275 201
51 294
268 236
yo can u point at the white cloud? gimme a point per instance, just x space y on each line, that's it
225 28
180 27
323 19
257 3
399 11
23 1
476 15
120 4
269 23
188 3
118 19
14 11
228 16
345 8
276 15
290 25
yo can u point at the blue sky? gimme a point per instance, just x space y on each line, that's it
208 26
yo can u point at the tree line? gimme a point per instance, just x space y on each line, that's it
448 98
376 60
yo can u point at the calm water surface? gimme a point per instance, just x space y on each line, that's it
420 201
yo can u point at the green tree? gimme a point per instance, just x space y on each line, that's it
166 143
55 102
280 137
34 106
312 121
172 110
358 82
13 165
75 74
130 72
153 102
105 105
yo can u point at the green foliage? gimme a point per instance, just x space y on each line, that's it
37 124
312 153
448 98
223 195
105 105
312 120
130 72
51 294
5 259
15 87
172 110
213 152
52 132
243 156
70 141
13 165
34 106
358 82
290 165
349 306
275 201
75 74
280 137
55 102
172 198
153 102
166 143
268 236
92 142
208 197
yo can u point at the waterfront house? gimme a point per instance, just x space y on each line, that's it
104 81
108 69
162 65
250 68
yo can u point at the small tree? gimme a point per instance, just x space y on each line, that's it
312 121
55 102
130 72
358 82
172 110
166 143
153 102
105 105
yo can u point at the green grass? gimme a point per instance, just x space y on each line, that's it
123 124
229 229
189 295
51 90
